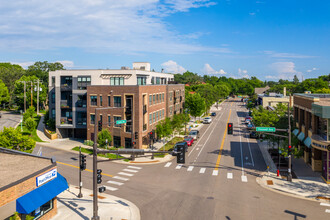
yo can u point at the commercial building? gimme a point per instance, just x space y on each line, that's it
312 118
74 94
270 100
29 185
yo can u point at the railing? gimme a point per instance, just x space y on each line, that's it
66 103
81 103
66 120
144 109
66 87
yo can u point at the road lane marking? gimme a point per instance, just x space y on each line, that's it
125 174
132 171
229 175
325 204
111 188
190 168
133 167
244 178
115 183
168 164
120 178
250 151
222 143
240 144
197 148
327 210
66 164
202 170
215 173
178 166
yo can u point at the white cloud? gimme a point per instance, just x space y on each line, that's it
112 26
172 67
285 70
66 63
286 55
252 13
240 71
313 69
25 65
207 69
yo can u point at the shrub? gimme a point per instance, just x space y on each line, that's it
89 143
30 124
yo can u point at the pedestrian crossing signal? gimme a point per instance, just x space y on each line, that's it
230 128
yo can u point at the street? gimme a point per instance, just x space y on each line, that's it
217 181
9 119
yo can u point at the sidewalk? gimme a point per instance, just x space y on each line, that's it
40 130
69 206
308 185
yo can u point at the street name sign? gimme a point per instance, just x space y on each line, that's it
266 129
118 122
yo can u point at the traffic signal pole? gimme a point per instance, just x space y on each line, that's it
95 207
80 183
289 134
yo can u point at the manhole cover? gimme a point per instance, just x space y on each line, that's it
269 182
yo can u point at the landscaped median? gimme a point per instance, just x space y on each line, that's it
108 155
168 146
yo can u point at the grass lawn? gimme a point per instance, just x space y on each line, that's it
33 134
90 151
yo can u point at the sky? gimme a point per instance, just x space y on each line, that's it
269 39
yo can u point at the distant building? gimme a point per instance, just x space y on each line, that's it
272 99
312 119
29 185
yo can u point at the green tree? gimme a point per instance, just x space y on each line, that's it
103 137
177 123
196 104
41 69
323 90
160 131
295 79
167 127
12 138
29 113
30 124
4 95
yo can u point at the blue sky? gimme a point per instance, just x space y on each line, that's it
235 38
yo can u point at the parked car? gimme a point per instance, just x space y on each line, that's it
247 121
207 120
194 134
180 143
213 114
254 134
0 114
250 126
189 140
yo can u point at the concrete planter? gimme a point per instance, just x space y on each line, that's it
49 135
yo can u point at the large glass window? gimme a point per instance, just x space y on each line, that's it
115 119
53 113
92 116
150 118
101 101
116 141
81 118
157 80
117 101
53 97
109 100
152 80
128 143
150 99
53 81
93 100
141 80
81 101
117 81
83 82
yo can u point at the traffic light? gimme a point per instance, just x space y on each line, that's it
151 135
99 176
289 149
100 125
134 142
136 135
230 128
180 156
82 162
102 189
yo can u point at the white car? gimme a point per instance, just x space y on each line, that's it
207 120
194 134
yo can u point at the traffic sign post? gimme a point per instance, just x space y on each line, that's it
266 129
118 122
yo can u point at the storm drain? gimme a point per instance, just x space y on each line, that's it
270 182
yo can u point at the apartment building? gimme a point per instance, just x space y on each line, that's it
74 93
312 118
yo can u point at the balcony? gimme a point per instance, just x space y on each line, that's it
144 127
66 121
66 87
66 104
82 121
81 103
144 109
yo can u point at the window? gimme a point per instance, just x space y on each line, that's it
109 120
171 96
150 99
141 80
81 118
171 109
53 113
154 99
92 118
109 100
152 80
53 97
157 80
53 81
163 113
117 101
101 100
163 97
117 81
81 101
83 82
115 119
93 100
150 118
154 117
128 143
116 141
101 119
160 115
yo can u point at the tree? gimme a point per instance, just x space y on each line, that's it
160 129
103 137
12 138
295 79
29 113
4 95
30 124
196 104
177 123
167 127
41 69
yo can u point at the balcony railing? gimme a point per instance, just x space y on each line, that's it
66 103
144 109
81 103
81 121
66 87
66 120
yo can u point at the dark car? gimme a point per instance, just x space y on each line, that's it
180 143
213 114
254 134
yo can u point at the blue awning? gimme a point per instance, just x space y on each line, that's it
301 136
308 142
295 132
36 198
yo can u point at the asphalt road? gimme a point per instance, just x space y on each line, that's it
9 119
218 180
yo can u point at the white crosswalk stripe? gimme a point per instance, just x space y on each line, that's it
133 167
178 166
327 210
125 174
168 164
244 178
202 170
215 173
115 183
229 175
132 171
325 204
120 178
190 168
111 188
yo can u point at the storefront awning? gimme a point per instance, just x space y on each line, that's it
308 142
295 132
36 198
301 136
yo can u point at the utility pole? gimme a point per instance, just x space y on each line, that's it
38 89
289 134
24 94
31 94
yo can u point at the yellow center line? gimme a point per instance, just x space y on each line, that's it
66 164
231 104
222 143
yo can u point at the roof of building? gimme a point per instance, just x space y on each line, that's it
261 90
15 165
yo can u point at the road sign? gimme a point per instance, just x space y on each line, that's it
267 129
118 122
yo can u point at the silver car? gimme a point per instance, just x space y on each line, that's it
207 120
194 134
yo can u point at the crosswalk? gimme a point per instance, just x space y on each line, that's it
327 205
121 177
203 170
